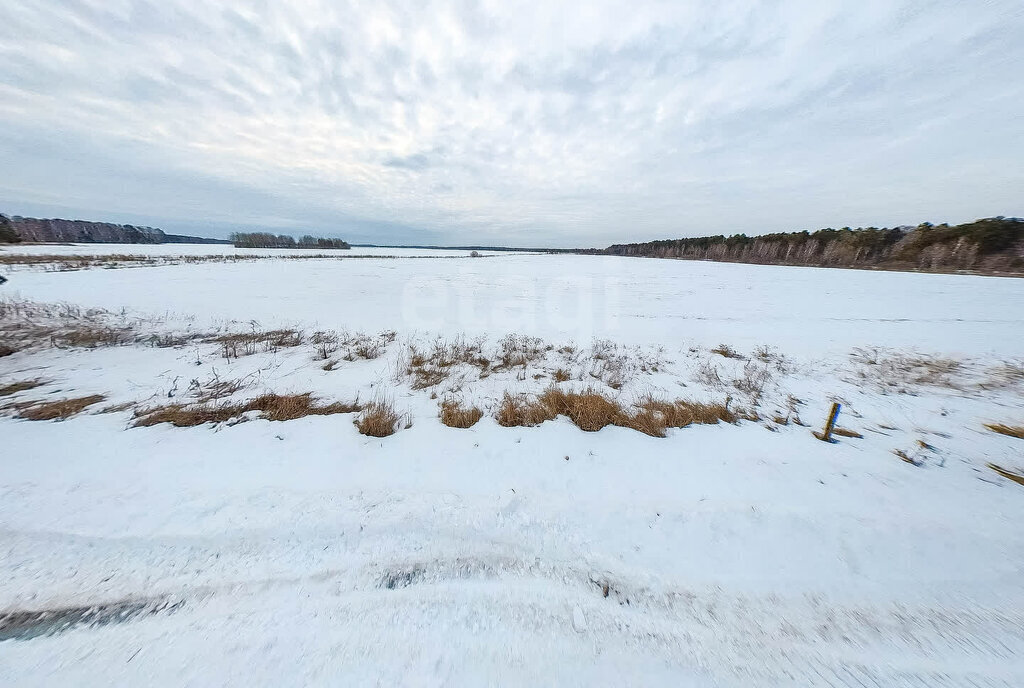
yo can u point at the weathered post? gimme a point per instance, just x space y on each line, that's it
826 434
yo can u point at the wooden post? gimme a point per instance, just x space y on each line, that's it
833 414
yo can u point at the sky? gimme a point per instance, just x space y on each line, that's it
568 124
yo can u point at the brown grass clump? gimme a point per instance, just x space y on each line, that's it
521 410
92 336
183 416
589 410
278 407
680 413
379 419
1010 430
844 432
726 351
561 375
455 416
117 408
1015 477
59 410
248 343
15 387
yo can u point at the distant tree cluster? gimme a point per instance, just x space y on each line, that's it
993 245
7 233
268 240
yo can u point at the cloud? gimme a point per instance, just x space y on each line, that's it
548 124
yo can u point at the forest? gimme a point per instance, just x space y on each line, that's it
994 245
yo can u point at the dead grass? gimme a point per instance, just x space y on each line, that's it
516 350
902 372
430 367
844 432
590 410
214 389
1009 430
727 351
58 410
1015 477
378 419
240 344
117 408
454 415
276 407
561 375
522 411
23 385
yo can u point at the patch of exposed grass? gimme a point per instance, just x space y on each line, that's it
23 385
1015 477
726 351
430 367
591 410
561 375
60 409
214 389
117 408
277 407
845 432
239 344
378 419
1009 430
522 410
455 415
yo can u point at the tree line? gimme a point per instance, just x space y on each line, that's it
993 244
7 233
268 240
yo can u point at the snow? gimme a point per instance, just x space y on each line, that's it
218 250
303 553
806 311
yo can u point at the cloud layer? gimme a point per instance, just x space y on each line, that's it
570 124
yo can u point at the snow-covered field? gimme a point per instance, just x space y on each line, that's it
304 553
214 250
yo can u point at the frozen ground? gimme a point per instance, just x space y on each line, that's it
303 553
213 250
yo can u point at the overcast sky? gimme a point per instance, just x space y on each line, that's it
554 124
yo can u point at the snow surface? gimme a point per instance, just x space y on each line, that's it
217 250
303 553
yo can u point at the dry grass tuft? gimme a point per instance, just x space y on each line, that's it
561 375
1010 430
240 344
58 410
590 410
379 419
92 336
278 407
117 408
214 389
1015 477
726 351
429 368
455 416
522 411
15 387
844 432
